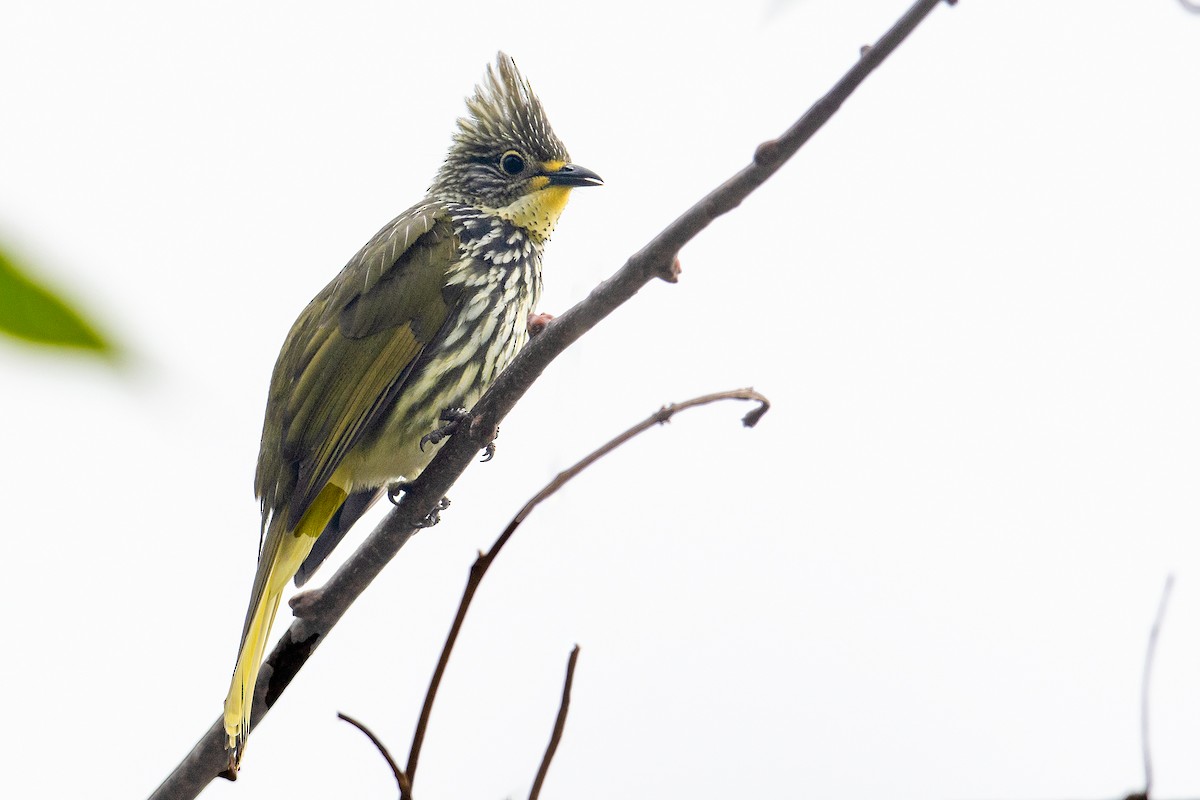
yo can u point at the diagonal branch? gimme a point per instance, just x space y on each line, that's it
404 778
559 723
319 610
480 567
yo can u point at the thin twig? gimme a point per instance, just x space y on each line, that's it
401 779
559 724
1147 668
480 567
207 758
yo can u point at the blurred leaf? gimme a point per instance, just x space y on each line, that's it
34 313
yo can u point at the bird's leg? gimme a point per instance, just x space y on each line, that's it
453 419
398 488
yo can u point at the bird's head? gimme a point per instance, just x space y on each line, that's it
505 157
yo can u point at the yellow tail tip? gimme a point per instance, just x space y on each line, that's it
283 553
236 723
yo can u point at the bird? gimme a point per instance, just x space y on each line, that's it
421 320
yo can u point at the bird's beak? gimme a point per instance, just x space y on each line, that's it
571 175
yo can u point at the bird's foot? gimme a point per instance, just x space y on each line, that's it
433 518
453 418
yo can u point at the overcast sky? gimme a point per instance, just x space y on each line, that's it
930 571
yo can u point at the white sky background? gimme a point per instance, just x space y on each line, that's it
930 572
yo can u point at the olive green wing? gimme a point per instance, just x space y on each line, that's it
348 354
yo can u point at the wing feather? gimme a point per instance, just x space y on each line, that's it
349 353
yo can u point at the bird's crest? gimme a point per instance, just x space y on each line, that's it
505 109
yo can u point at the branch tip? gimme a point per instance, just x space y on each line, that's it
560 723
754 415
485 560
401 779
1147 667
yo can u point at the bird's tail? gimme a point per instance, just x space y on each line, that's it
282 554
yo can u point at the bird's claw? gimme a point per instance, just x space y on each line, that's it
452 417
396 489
435 516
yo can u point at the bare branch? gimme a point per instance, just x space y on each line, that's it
480 567
401 779
1147 668
559 723
320 609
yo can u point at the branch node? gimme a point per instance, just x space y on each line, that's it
665 270
305 604
671 273
536 323
767 153
478 430
401 779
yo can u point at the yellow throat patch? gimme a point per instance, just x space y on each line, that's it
538 211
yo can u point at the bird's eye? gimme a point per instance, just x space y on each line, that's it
512 163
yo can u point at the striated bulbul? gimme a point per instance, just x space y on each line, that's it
423 318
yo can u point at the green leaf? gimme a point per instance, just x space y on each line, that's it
32 312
